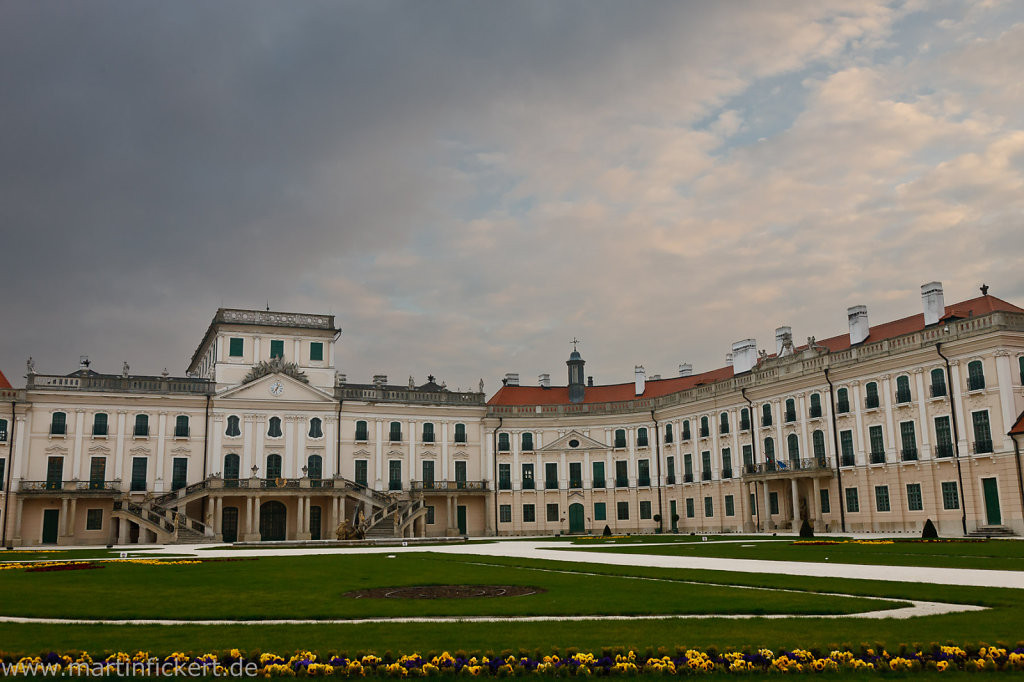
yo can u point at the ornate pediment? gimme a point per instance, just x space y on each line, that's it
574 440
181 450
363 452
461 454
99 450
56 450
275 366
139 450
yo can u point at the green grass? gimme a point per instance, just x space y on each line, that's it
988 554
314 586
672 538
7 556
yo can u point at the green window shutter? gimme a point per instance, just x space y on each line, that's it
3 430
361 471
689 508
316 352
943 438
277 348
598 475
599 512
730 506
826 504
139 473
529 513
236 347
709 507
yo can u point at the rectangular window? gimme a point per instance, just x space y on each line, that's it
645 509
826 503
360 473
395 432
600 512
551 475
670 470
460 433
3 467
709 507
575 474
139 473
877 445
505 513
3 430
705 469
621 474
908 439
529 513
914 501
94 519
943 437
622 511
726 463
643 472
97 472
528 483
687 468
730 507
882 498
428 473
748 458
141 425
552 510
982 432
430 515
689 508
316 352
236 347
852 501
276 348
54 473
527 442
846 448
950 497
598 474
394 474
181 426
58 424
179 473
99 424
460 474
362 433
505 477
773 503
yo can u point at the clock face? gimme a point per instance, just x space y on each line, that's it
276 388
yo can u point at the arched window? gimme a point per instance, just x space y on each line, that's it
362 433
744 419
58 424
975 376
460 433
316 428
903 389
428 432
641 437
233 429
273 467
686 429
705 431
231 466
843 401
395 432
526 441
794 447
871 395
141 425
503 442
620 438
99 424
181 426
723 426
815 405
274 428
818 440
315 467
766 414
769 449
668 433
790 410
938 376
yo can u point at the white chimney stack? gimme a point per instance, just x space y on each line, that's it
783 341
934 305
859 329
512 379
641 379
728 359
545 380
655 377
685 369
744 356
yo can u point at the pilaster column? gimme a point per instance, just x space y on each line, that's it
796 503
76 456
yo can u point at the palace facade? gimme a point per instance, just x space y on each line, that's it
877 429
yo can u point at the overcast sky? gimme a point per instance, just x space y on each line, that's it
467 186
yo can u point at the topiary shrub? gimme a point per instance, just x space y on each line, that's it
607 531
929 531
806 531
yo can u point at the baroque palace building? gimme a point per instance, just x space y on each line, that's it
878 429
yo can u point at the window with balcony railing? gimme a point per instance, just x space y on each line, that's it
504 477
598 474
668 433
878 457
902 389
688 477
766 420
982 432
727 472
528 477
847 461
526 441
644 482
944 450
504 442
705 431
621 481
723 426
395 432
871 402
428 433
745 423
670 479
938 387
686 430
815 411
982 447
908 454
551 476
705 475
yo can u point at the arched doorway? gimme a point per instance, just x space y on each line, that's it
576 518
273 521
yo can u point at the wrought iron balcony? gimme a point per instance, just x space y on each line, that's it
705 475
621 482
95 487
781 467
975 383
938 390
688 478
878 457
727 473
944 450
815 411
982 447
598 483
448 486
871 402
644 482
908 454
848 461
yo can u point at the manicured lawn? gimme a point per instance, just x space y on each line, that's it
314 587
987 554
66 554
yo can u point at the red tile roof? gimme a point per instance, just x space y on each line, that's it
3 381
1018 428
559 395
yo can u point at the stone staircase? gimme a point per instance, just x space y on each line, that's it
169 526
992 532
382 524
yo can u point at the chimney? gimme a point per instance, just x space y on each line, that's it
641 379
859 329
590 381
744 356
783 341
512 379
685 369
934 305
544 380
728 359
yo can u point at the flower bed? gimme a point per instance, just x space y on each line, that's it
684 662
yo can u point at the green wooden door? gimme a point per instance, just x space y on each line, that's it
576 518
315 516
674 516
51 521
991 488
273 521
460 514
229 524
